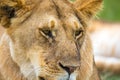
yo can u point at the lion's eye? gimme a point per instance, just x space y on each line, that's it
47 33
78 33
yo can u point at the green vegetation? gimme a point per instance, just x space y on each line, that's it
72 0
110 76
111 10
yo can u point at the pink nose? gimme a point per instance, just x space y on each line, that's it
69 69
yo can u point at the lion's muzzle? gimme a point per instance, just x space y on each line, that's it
68 69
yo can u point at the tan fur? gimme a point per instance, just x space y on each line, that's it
1 31
44 36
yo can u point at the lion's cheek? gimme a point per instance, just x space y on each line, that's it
16 54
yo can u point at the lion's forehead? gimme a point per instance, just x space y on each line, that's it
42 15
71 20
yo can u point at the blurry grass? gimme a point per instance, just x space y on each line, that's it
111 10
110 76
72 0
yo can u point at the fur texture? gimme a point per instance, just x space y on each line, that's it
47 40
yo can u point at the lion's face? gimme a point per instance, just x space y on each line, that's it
48 47
49 41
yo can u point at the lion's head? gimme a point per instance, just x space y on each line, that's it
48 38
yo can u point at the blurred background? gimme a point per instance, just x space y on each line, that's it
105 34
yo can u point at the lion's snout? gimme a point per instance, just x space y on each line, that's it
69 58
68 69
66 73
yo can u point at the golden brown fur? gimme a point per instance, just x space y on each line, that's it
47 40
1 31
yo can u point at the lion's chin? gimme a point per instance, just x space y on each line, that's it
71 77
61 76
67 77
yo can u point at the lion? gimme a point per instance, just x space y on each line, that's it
47 40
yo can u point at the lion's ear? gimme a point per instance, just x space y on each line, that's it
8 9
87 8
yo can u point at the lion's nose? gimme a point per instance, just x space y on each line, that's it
69 69
40 78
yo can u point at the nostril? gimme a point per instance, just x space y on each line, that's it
41 78
69 69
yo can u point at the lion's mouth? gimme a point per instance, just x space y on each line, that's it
69 74
71 77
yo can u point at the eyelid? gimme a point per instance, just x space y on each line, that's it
48 33
78 33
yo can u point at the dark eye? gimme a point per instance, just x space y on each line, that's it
78 33
47 33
